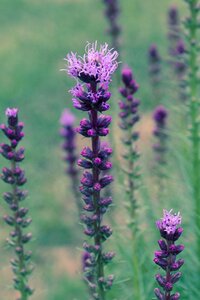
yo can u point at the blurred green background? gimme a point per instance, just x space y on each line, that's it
35 37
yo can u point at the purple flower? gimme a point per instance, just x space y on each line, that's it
173 16
169 222
11 112
166 256
67 118
95 65
154 55
17 219
94 69
160 115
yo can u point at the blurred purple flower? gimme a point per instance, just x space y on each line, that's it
177 49
129 117
112 12
155 71
67 120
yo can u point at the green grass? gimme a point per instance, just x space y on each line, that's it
35 37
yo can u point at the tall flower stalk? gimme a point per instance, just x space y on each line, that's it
174 32
154 59
68 133
177 50
112 12
17 219
129 117
160 116
94 70
192 26
166 257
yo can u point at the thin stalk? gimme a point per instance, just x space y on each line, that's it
168 273
19 244
96 199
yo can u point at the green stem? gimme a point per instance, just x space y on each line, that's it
19 244
96 198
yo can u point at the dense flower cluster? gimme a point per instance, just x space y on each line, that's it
17 219
95 70
68 133
155 71
96 66
129 117
112 14
166 256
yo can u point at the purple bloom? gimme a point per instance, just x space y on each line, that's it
11 112
18 219
166 256
173 16
169 222
95 65
67 118
160 115
94 69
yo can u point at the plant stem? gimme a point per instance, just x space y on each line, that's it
19 244
168 273
96 199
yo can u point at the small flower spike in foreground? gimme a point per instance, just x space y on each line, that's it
17 218
94 69
68 133
166 256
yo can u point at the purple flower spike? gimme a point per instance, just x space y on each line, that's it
155 71
67 120
17 219
177 50
94 69
166 256
160 116
112 12
129 117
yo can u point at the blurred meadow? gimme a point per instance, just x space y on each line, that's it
35 37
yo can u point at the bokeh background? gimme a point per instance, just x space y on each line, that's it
35 37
